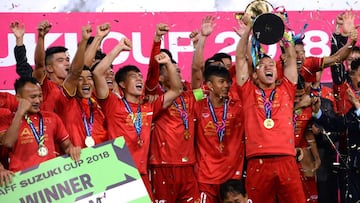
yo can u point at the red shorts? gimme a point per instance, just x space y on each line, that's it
174 184
270 177
310 189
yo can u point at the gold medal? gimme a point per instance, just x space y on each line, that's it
42 151
269 123
89 141
140 142
221 147
186 134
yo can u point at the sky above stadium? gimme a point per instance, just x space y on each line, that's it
165 5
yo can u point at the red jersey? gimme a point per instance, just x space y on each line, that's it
278 140
327 93
5 116
168 142
214 164
311 65
51 92
120 123
303 118
8 101
72 109
24 153
153 74
343 103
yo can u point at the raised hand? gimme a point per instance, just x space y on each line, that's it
44 28
17 29
207 25
162 58
125 44
348 19
194 37
241 27
24 106
162 29
86 32
103 30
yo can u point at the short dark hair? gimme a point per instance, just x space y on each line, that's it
166 51
355 49
299 41
22 81
355 64
232 186
122 72
211 60
216 70
222 55
99 55
53 50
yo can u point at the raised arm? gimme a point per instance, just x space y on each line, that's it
77 65
241 62
11 135
40 67
349 28
207 27
338 41
101 32
290 67
23 68
101 87
174 79
153 74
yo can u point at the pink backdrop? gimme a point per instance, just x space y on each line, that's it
140 27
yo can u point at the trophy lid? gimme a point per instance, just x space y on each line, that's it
268 28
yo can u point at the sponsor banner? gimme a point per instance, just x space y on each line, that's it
105 173
140 28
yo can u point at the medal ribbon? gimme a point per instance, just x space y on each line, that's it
39 136
182 112
137 120
220 130
255 50
88 125
268 104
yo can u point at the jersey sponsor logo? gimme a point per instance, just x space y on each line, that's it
205 115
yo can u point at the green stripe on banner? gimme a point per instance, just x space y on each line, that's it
105 173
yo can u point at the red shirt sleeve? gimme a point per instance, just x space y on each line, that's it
8 101
153 74
60 132
310 67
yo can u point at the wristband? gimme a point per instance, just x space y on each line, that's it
198 94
